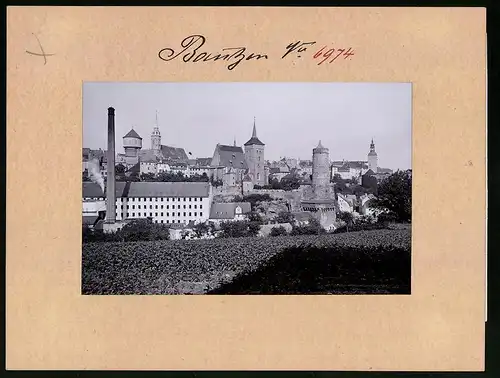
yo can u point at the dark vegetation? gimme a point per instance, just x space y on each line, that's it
362 262
394 196
328 270
140 229
287 183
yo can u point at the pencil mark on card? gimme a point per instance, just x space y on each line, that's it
42 52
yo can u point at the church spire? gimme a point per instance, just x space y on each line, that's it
254 140
234 142
155 135
254 133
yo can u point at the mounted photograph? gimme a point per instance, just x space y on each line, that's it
246 188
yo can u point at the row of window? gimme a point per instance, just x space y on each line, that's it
161 206
145 214
167 199
168 221
154 199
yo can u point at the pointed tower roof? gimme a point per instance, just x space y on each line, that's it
156 128
132 134
320 148
254 140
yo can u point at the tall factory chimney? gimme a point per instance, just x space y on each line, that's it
110 182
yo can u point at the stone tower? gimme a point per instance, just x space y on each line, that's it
322 201
372 158
254 155
132 143
156 136
321 172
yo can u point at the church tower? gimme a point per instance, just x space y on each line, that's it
254 154
156 136
372 158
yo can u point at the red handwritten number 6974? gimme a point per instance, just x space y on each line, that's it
332 52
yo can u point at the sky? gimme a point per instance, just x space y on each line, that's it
291 118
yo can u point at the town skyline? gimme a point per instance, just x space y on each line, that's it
230 110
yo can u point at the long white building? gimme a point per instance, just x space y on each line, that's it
164 202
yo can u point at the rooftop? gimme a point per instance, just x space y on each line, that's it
254 140
228 210
132 134
231 156
150 189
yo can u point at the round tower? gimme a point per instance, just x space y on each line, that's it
132 143
321 172
372 158
322 202
156 136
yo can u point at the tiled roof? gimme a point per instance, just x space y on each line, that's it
231 156
305 163
253 141
228 210
174 153
369 173
203 162
148 156
150 189
132 134
350 164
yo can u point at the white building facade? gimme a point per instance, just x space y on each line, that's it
163 202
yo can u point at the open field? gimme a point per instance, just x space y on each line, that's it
365 262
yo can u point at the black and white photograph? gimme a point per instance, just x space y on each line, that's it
239 188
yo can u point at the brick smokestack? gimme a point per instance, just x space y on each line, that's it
110 182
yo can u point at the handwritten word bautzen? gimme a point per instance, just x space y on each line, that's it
190 52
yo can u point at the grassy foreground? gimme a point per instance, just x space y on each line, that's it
365 262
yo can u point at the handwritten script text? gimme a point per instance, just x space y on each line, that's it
190 52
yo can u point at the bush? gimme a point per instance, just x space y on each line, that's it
137 230
255 199
278 231
285 217
312 228
239 229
